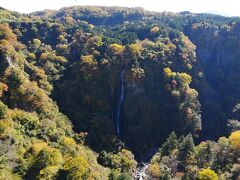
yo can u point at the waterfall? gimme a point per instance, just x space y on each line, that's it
120 97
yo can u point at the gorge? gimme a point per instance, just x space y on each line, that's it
119 93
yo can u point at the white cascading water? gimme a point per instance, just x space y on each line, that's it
120 97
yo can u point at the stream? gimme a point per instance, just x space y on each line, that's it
141 172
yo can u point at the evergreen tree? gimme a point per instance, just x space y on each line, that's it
170 144
186 148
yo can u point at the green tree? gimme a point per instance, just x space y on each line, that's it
186 148
169 145
124 176
3 110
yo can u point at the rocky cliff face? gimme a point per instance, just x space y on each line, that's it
218 56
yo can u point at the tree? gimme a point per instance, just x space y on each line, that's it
88 61
69 20
76 167
14 77
3 88
134 49
185 78
207 174
31 56
123 160
137 73
36 43
116 49
154 170
204 154
49 156
91 26
124 176
170 144
155 29
233 125
186 149
95 41
235 139
6 32
3 110
37 147
167 72
46 165
6 174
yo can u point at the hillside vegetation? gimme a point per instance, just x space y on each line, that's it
87 92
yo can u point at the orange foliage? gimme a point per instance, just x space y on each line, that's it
3 88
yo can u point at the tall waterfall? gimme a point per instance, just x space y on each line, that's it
118 105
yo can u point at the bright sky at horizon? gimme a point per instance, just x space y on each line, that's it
223 7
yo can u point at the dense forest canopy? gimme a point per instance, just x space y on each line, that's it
90 92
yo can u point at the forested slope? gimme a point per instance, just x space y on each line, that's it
87 91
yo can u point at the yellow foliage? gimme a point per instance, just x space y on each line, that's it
36 43
61 38
48 173
61 59
24 118
5 125
47 163
49 156
207 174
49 56
68 142
38 146
155 29
154 170
90 26
88 60
77 167
192 93
137 73
3 109
69 20
116 49
167 72
135 49
31 56
3 87
186 79
235 139
6 32
6 174
6 47
124 160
